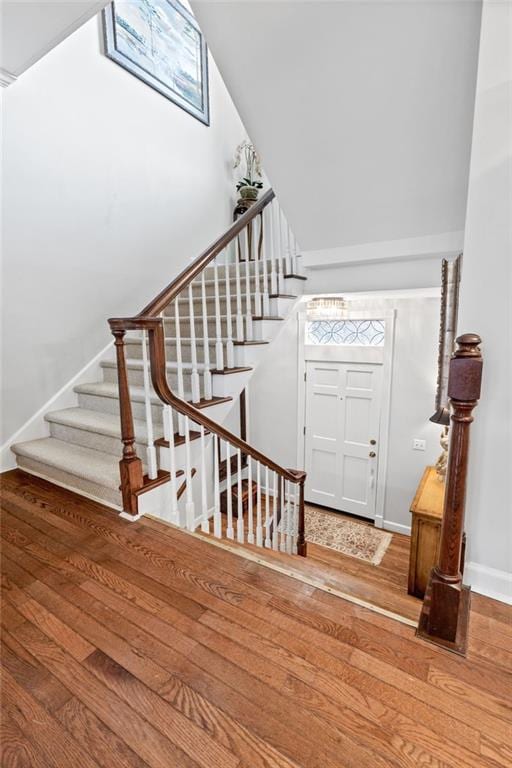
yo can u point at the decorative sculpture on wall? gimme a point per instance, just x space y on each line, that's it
442 461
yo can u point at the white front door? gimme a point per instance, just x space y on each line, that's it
343 403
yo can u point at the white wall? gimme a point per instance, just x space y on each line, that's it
376 276
486 309
109 189
274 387
362 110
29 30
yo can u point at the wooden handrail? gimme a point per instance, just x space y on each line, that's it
147 320
154 327
169 293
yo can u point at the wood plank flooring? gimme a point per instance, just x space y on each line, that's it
134 644
383 585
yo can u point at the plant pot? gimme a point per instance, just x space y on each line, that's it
248 193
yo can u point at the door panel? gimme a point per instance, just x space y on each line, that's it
355 480
342 416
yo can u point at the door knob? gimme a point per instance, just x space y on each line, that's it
372 454
373 442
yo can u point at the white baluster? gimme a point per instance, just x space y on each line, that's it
248 303
189 506
273 246
259 529
265 300
207 376
151 450
230 350
239 316
293 251
283 250
240 506
288 246
258 304
179 363
169 435
217 519
275 532
205 523
292 501
194 376
219 351
284 513
267 508
229 500
280 251
250 522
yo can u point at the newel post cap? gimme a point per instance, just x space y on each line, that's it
468 345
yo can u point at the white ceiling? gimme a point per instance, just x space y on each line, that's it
362 111
30 29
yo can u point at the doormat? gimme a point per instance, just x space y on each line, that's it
350 537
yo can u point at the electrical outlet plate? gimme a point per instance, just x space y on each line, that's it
419 445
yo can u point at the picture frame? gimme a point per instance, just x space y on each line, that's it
159 41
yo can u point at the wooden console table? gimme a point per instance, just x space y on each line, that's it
427 515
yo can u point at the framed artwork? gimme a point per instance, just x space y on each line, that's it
160 42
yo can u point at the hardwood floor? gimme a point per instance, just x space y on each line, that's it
383 585
135 644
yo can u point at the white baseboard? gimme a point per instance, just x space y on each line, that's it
490 582
395 527
36 426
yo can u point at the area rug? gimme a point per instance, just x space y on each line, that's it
349 537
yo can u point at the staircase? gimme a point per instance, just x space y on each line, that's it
179 368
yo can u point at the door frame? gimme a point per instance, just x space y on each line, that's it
309 353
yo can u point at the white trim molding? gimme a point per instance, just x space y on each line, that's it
490 582
388 525
6 78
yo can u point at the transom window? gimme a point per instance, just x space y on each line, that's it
366 333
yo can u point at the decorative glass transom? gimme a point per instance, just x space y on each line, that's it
368 333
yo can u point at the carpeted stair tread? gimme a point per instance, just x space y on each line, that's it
186 341
137 364
95 466
96 422
110 389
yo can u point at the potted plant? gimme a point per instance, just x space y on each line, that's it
249 185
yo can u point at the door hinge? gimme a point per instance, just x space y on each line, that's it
304 430
304 375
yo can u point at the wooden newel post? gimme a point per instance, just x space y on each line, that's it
444 618
301 532
132 478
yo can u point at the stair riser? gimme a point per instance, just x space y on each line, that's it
211 309
259 329
134 352
78 484
243 355
209 271
113 445
104 443
111 405
275 306
136 377
210 287
222 385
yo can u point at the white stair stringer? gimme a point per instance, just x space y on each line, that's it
82 448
